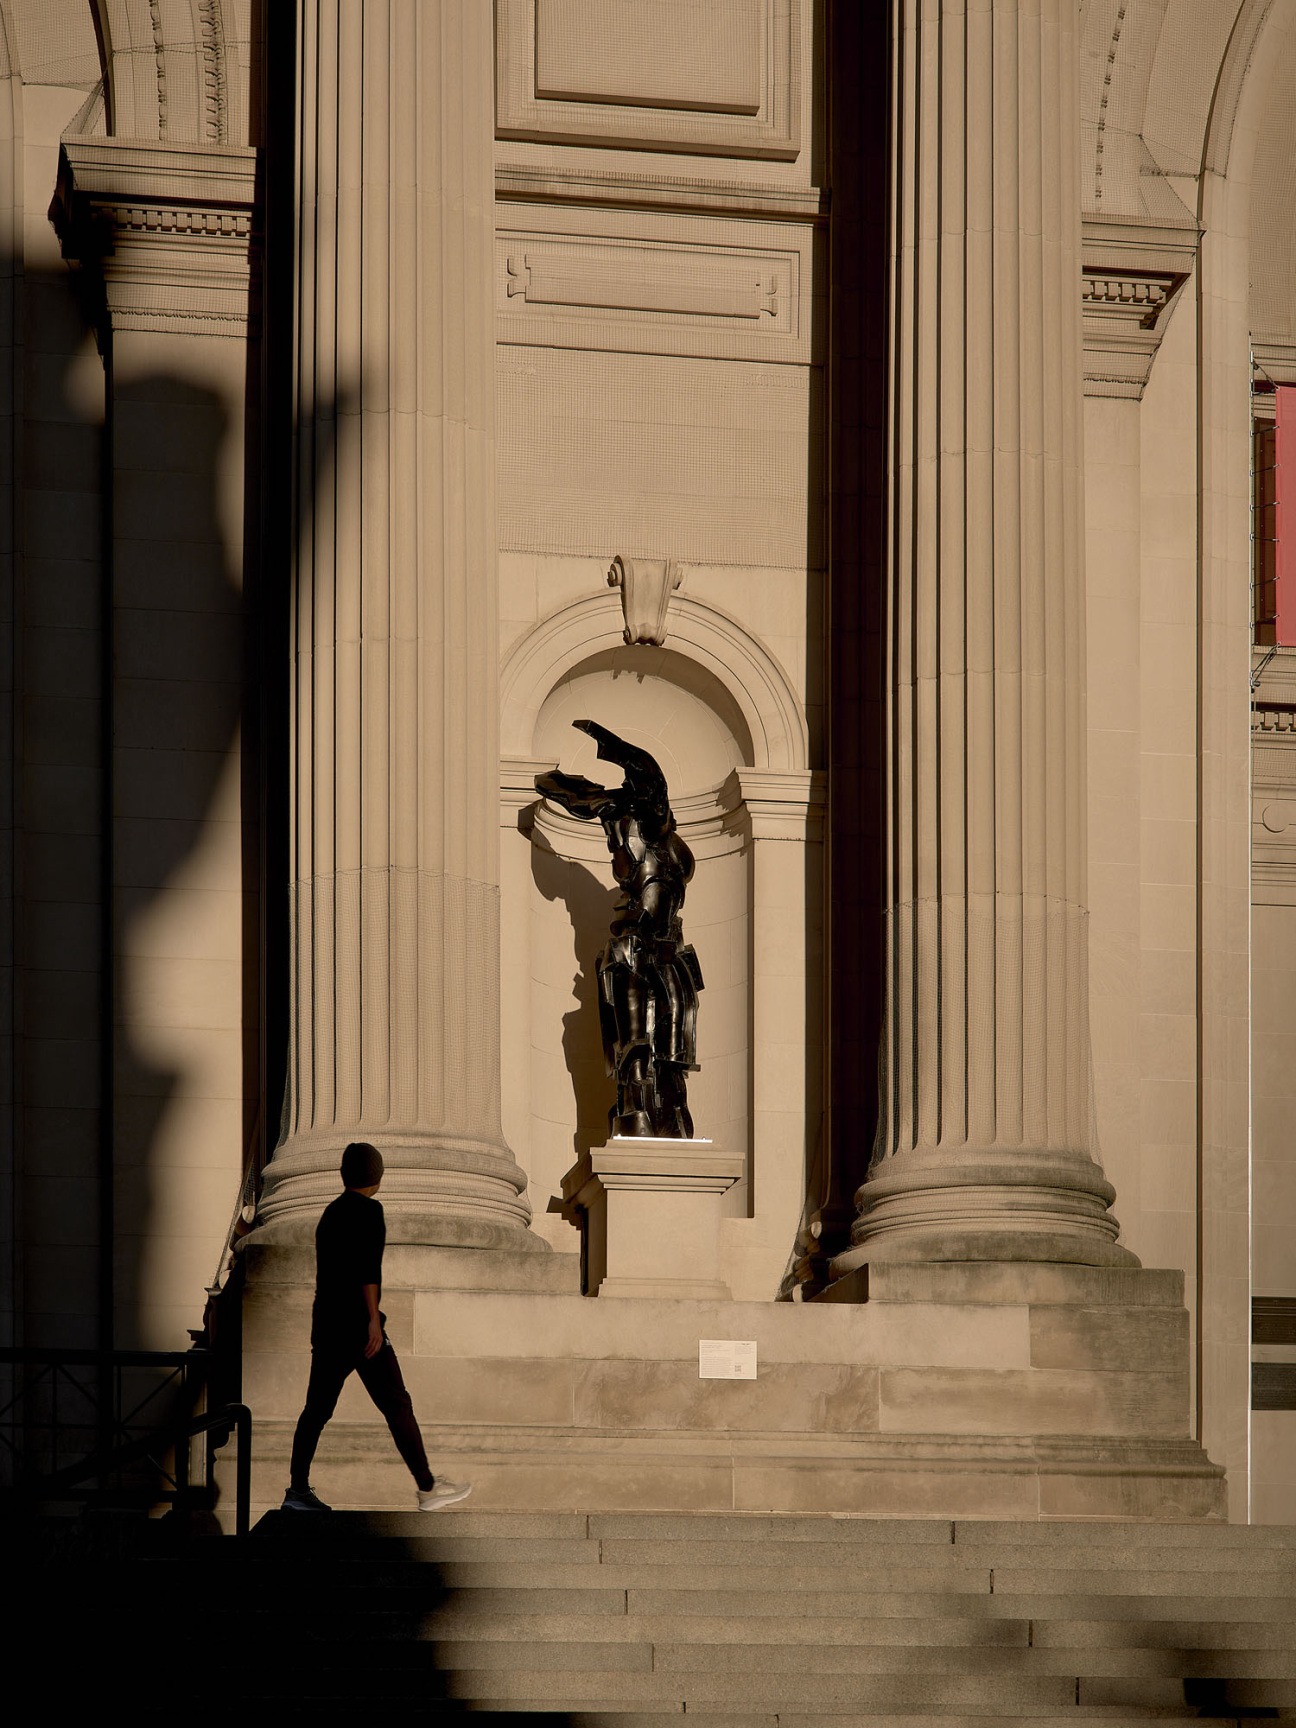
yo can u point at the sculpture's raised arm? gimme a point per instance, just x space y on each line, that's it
645 788
577 795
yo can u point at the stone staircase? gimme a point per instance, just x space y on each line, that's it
621 1618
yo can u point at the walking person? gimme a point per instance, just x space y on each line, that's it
347 1333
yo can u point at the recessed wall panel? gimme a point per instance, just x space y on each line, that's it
708 77
705 55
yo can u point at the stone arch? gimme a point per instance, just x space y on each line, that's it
770 708
1161 87
176 74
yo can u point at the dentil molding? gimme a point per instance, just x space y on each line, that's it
1132 275
170 232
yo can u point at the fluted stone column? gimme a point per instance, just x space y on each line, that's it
395 760
986 1145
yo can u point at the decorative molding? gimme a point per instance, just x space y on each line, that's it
550 87
1141 297
584 281
158 219
214 93
786 806
646 586
1273 786
159 56
1131 278
542 280
518 182
770 707
1100 144
1122 314
168 234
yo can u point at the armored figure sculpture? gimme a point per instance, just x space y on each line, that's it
648 976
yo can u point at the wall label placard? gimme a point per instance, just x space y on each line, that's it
726 1359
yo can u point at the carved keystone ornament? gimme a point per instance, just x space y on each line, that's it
646 586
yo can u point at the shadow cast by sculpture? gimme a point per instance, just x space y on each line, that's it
590 906
648 976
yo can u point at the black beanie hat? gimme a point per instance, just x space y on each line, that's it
362 1165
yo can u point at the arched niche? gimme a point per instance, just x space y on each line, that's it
721 716
664 701
754 681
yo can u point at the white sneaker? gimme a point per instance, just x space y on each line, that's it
443 1493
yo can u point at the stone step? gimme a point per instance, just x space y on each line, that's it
765 1592
305 1706
705 1630
1073 1717
788 1657
861 1579
1149 1556
1009 1604
781 1527
846 1559
951 1694
790 1527
935 1645
493 1590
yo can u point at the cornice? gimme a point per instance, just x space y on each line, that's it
168 234
1132 275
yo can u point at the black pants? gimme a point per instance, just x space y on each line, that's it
381 1377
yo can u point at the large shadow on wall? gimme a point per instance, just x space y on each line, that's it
130 677
185 998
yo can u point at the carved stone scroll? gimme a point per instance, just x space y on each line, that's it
646 586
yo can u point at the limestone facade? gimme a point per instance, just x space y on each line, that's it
908 366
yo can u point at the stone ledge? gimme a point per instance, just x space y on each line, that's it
915 1476
1003 1281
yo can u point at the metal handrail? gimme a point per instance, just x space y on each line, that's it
108 1458
44 1358
236 1416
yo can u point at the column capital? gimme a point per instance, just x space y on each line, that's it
171 232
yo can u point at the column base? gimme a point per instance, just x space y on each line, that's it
438 1192
994 1204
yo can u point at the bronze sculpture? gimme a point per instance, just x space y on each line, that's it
648 976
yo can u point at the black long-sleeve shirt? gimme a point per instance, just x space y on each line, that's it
349 1242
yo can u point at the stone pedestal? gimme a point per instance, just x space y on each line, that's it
650 1212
